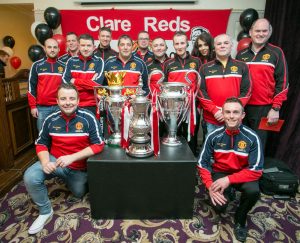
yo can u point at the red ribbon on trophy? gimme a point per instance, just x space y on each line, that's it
155 125
192 115
125 122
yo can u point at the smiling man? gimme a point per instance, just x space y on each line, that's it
232 158
159 48
143 51
85 71
72 47
104 49
44 78
125 61
67 138
222 78
269 74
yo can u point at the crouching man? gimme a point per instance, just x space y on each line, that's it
232 158
67 138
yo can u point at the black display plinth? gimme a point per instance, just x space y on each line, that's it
162 187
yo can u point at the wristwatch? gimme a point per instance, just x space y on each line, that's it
276 108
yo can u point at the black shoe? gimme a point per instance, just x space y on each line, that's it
240 233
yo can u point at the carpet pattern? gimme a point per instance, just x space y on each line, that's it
269 221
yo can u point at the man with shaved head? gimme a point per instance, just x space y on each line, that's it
221 78
268 71
44 78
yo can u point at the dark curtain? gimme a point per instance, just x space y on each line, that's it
284 16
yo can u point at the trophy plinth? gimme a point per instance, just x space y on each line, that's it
173 103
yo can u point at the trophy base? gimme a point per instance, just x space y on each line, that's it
171 141
114 140
140 150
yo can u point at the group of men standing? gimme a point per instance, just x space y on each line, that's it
232 155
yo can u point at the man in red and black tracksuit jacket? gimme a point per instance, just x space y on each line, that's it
72 47
269 74
175 70
67 138
222 78
85 72
232 157
133 66
143 51
104 49
156 63
44 78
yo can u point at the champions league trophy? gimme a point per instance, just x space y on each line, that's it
173 103
140 126
112 102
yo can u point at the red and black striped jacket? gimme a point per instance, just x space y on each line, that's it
63 135
44 79
134 68
238 153
219 83
87 74
269 74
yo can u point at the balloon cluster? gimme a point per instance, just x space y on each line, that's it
247 18
8 44
43 31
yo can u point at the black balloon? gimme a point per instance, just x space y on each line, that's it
43 32
36 52
9 41
247 18
52 17
243 34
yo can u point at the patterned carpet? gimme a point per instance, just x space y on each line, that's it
270 221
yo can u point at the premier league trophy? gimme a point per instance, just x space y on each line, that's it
173 103
112 101
140 126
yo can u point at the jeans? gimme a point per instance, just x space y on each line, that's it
34 179
44 111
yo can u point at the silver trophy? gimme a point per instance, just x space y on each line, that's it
110 99
113 105
173 103
140 126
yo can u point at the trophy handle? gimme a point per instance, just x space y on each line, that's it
159 81
190 81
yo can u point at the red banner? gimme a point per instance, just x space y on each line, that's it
161 23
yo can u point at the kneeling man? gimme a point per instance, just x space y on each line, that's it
232 158
66 139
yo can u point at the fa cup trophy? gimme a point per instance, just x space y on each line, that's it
140 126
173 103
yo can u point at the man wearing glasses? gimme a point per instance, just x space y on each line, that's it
143 51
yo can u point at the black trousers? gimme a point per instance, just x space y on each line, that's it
254 113
250 195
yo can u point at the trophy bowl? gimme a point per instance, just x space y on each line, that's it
173 103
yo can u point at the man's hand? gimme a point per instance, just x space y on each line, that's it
273 116
72 80
64 161
49 167
216 197
34 112
219 116
220 185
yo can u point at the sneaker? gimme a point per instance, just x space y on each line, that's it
240 233
39 223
